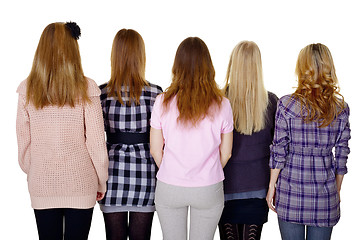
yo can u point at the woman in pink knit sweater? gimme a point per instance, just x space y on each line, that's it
61 136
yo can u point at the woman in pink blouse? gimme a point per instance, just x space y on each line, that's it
191 141
60 135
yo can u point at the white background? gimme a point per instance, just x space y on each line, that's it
280 28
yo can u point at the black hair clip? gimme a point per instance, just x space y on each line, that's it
74 29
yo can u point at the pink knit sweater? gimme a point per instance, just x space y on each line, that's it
63 151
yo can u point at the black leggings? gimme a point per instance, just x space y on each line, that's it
229 231
138 227
50 223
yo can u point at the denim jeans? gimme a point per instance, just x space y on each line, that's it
294 231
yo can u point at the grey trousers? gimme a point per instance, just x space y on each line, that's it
206 205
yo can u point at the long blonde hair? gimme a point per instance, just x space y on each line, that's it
245 88
56 77
193 82
317 85
127 66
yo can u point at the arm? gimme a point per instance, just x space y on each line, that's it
339 180
95 141
278 153
23 135
342 151
156 145
225 147
280 144
270 197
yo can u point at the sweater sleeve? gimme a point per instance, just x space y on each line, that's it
280 144
23 134
95 140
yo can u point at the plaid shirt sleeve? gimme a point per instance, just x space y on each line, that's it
341 147
279 147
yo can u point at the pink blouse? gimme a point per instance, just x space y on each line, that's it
191 154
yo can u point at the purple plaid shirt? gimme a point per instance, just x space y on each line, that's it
306 191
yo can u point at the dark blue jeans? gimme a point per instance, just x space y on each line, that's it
294 231
50 223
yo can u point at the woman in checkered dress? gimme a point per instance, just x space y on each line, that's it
127 101
309 124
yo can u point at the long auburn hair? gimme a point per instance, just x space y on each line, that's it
127 66
317 85
56 77
245 88
193 82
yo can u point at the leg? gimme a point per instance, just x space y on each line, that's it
140 225
49 223
291 231
173 222
205 211
77 223
116 225
172 209
251 232
318 233
229 231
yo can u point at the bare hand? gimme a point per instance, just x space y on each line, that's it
99 196
270 198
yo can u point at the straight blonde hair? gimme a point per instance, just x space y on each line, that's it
317 85
193 82
245 88
127 66
56 77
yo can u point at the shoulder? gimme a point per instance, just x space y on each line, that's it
103 86
22 87
289 105
287 101
273 99
225 101
93 89
225 105
153 88
159 99
345 113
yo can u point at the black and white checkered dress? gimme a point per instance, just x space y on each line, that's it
131 182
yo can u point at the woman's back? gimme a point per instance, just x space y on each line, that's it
309 135
247 169
304 152
61 159
191 154
128 118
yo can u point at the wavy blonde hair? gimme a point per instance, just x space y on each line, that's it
127 66
193 82
317 85
245 88
56 77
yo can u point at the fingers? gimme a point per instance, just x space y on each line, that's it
99 196
272 207
270 199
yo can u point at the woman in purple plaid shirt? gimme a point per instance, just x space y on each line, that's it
305 175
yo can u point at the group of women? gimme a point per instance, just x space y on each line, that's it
193 148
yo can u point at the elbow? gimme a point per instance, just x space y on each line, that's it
152 151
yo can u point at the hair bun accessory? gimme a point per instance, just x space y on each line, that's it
74 29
